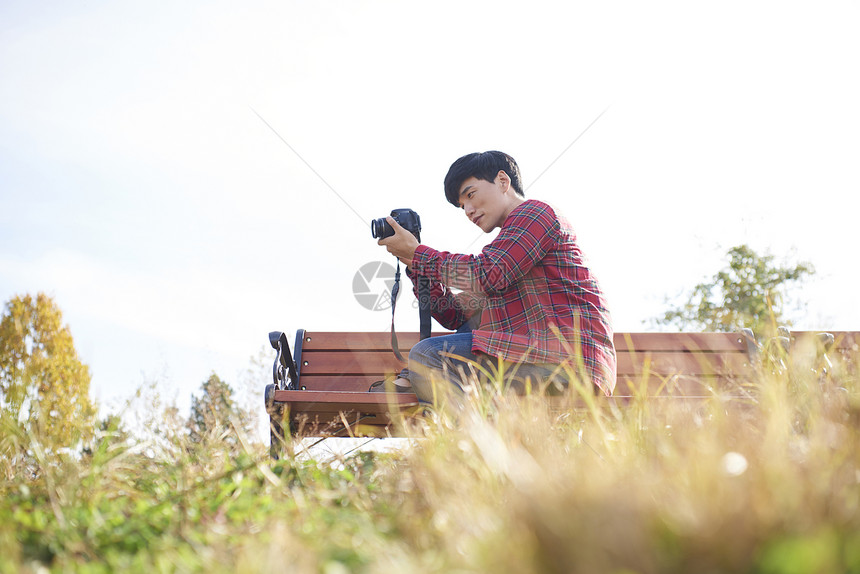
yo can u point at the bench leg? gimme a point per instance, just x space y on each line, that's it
276 423
276 435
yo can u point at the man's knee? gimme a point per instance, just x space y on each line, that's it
424 352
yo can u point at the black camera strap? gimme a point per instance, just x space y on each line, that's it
395 291
423 309
424 306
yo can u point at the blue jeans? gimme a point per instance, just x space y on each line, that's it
448 361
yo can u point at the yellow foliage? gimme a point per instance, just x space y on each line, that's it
42 380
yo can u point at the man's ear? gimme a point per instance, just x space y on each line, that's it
504 180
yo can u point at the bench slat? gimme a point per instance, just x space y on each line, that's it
359 384
667 363
692 342
331 424
327 423
381 363
362 341
335 400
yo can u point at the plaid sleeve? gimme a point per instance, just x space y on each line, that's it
527 235
449 309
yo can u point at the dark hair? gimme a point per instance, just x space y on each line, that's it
484 166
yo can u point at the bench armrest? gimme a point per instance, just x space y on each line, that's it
284 372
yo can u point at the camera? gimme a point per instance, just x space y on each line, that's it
406 218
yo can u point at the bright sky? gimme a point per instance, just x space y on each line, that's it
140 187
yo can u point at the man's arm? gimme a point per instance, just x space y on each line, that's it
450 309
530 232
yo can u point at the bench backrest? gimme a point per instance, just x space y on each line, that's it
687 364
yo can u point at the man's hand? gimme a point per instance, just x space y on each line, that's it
402 244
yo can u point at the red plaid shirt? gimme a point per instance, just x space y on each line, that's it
540 302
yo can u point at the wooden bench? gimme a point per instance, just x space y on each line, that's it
320 385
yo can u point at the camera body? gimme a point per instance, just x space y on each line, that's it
406 218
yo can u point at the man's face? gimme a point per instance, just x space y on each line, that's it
483 202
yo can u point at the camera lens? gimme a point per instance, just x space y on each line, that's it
380 229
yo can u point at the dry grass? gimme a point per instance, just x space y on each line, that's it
766 484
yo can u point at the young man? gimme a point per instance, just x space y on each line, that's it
542 314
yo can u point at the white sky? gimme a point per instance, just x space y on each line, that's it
175 229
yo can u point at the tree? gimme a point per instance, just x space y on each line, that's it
42 380
213 411
748 293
